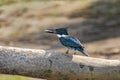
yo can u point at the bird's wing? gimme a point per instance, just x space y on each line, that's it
71 41
77 41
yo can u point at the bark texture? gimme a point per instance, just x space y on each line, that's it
56 66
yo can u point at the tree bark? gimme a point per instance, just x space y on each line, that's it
56 66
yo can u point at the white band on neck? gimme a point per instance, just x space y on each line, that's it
63 35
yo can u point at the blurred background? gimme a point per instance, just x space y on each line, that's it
95 22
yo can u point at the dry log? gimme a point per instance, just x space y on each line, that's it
56 66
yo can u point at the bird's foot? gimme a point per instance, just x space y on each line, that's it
67 52
74 53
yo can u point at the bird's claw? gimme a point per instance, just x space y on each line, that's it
74 53
67 52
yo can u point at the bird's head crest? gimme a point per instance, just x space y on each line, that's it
58 31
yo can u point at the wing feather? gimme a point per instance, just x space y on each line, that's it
71 42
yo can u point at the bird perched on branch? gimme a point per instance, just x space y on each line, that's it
68 41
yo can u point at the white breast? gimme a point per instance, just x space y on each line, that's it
63 35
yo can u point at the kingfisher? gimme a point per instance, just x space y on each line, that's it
67 40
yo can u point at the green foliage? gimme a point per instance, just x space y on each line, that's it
7 77
3 2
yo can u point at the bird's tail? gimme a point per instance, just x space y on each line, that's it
83 52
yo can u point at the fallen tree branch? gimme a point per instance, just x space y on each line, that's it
56 66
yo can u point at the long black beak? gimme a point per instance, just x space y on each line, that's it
50 31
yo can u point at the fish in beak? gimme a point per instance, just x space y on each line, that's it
50 31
